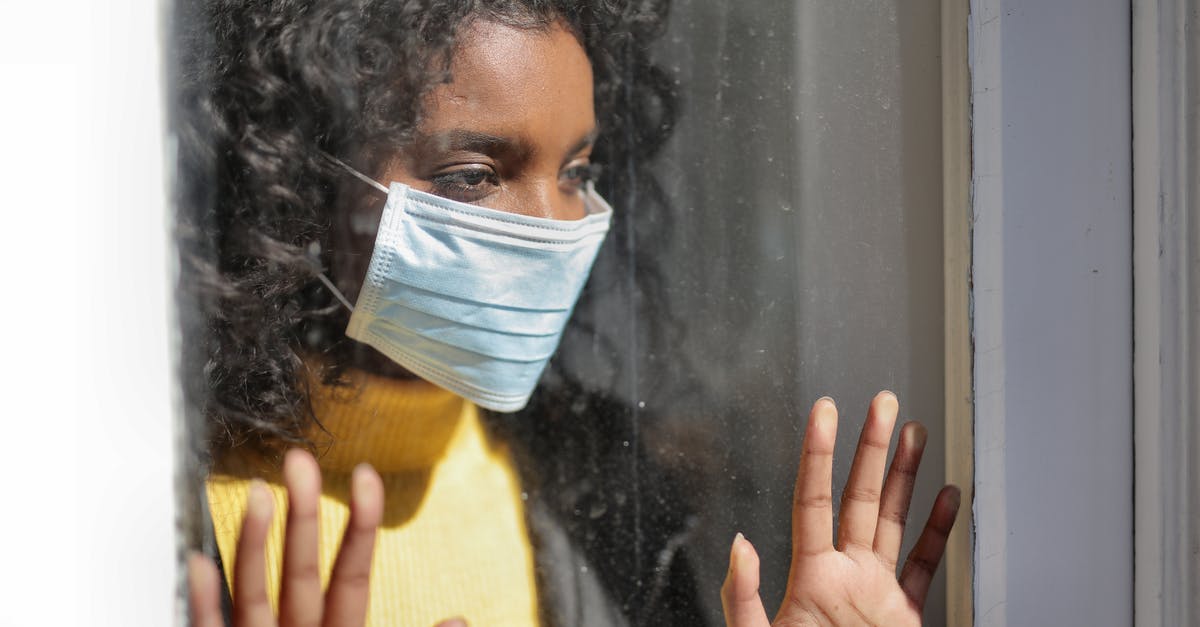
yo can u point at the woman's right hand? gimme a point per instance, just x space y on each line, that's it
301 603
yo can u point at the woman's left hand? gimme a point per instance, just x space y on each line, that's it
854 582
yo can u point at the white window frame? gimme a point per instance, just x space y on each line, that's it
1166 109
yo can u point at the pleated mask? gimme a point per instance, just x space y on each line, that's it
473 299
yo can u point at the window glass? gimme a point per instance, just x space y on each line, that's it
774 177
807 259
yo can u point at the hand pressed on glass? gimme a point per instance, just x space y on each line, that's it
855 582
301 602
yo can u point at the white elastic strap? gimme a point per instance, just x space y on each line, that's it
362 177
336 292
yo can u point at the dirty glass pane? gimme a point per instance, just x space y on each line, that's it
774 173
804 258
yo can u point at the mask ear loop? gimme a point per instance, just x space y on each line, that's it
336 292
359 175
369 181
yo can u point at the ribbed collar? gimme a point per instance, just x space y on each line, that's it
395 425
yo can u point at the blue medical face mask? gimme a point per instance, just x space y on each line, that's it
473 299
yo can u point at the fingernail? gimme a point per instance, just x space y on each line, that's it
361 476
733 552
955 496
919 435
298 472
740 541
828 399
361 484
260 503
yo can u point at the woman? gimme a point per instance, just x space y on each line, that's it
336 158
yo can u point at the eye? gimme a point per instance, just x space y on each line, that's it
466 184
575 176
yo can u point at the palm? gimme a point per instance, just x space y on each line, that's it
846 590
854 582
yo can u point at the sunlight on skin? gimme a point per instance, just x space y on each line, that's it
855 582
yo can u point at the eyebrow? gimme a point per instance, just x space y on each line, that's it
584 142
488 144
474 141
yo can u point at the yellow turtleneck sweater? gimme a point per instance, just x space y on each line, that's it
453 540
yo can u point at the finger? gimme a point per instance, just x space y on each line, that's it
204 591
812 506
897 493
739 595
860 499
923 560
452 622
349 586
300 598
251 607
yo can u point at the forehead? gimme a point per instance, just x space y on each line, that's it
515 81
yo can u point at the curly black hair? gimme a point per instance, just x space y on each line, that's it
265 87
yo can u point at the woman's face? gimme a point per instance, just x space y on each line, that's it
513 131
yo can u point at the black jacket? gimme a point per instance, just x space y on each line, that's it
610 529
